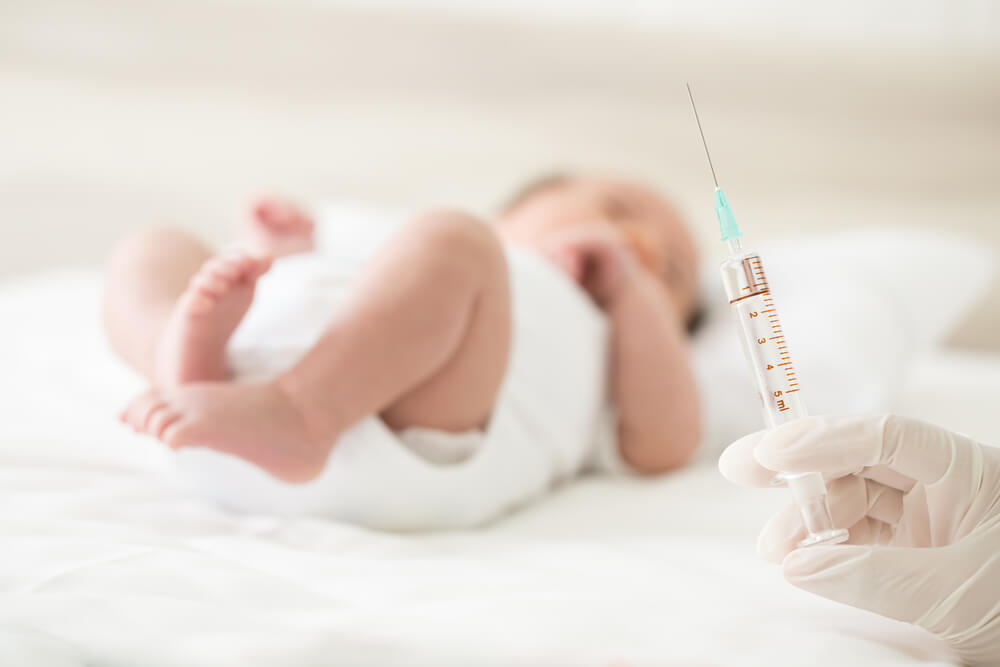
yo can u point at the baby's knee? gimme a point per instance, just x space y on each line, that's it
145 241
458 240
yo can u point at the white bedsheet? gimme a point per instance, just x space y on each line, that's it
107 557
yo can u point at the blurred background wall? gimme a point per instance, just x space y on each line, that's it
969 24
115 114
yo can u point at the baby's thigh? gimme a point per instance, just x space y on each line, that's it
461 393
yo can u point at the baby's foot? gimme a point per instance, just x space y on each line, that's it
192 347
256 422
278 228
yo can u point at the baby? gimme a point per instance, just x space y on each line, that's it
427 335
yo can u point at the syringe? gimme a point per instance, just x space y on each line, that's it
766 350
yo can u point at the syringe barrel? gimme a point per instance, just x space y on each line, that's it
763 338
777 384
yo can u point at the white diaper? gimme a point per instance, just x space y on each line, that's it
551 418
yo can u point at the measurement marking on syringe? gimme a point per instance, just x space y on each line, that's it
746 296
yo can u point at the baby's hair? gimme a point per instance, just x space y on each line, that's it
695 318
536 186
558 179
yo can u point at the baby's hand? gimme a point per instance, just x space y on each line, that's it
596 257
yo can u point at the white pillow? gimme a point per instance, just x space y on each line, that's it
857 308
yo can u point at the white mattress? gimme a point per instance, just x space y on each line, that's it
107 557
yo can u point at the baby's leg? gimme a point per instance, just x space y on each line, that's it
423 340
170 306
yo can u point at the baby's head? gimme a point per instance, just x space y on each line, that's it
652 229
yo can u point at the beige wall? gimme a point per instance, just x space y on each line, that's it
114 115
972 25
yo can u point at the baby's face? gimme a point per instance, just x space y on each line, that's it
653 231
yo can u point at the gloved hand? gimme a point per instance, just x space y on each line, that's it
923 508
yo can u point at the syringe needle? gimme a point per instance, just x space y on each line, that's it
703 142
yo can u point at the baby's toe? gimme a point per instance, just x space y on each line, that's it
138 410
251 267
258 266
271 211
197 302
244 263
261 209
281 215
151 417
224 268
177 433
209 284
161 420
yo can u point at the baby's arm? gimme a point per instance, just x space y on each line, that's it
652 381
651 378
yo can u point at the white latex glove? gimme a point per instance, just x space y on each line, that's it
923 508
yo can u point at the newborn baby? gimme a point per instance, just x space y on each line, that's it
432 341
